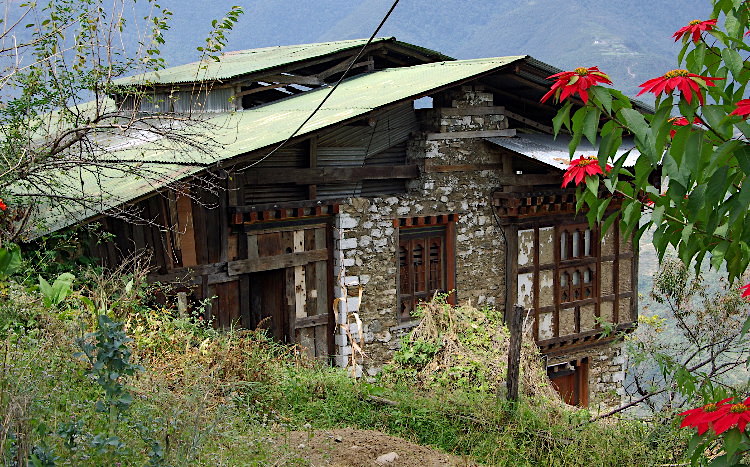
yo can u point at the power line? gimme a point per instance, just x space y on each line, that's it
320 105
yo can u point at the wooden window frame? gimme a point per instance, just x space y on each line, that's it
411 231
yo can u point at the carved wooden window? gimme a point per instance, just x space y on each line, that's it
425 258
577 267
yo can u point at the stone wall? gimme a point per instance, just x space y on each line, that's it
366 239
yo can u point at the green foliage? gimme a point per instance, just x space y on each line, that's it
10 261
703 210
56 293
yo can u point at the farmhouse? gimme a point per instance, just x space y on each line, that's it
419 174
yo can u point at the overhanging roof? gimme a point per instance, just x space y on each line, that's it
244 62
554 152
238 133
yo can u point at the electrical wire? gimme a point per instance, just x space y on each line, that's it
338 82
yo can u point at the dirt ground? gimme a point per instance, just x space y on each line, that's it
360 448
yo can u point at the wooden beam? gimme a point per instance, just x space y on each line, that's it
262 88
471 134
318 175
311 321
342 66
268 263
529 122
429 168
293 79
454 112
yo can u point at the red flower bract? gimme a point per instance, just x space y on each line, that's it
3 206
702 417
682 80
746 292
681 121
575 82
733 415
581 168
743 108
695 28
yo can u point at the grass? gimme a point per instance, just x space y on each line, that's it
210 398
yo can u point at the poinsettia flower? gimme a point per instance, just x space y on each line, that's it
681 80
3 206
702 417
681 121
743 108
574 82
746 292
581 168
695 27
736 415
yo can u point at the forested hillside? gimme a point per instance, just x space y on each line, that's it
630 40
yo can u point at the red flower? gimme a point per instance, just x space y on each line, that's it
581 168
695 28
3 206
746 292
743 108
681 121
577 81
737 414
702 417
681 80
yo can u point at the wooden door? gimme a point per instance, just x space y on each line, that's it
288 281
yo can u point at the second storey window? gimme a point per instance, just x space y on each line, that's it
425 258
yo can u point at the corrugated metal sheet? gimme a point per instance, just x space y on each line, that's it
237 133
243 62
554 152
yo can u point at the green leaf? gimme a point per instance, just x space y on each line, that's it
10 260
602 96
62 287
562 118
592 184
733 61
732 440
578 119
715 116
591 125
716 189
733 26
692 153
658 214
46 291
636 123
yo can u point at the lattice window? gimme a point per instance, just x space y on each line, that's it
577 267
423 259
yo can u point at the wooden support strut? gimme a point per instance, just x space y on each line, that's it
515 324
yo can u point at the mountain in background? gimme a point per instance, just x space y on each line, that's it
629 40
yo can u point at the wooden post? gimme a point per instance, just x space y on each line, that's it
514 352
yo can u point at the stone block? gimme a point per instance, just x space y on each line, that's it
341 340
346 221
347 243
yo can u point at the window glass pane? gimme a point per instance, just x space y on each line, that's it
576 244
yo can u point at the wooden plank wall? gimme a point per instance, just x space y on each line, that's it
278 277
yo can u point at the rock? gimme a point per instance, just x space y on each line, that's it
386 458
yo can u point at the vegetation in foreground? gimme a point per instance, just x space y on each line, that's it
76 390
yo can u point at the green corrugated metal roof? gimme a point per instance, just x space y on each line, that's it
244 131
243 62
